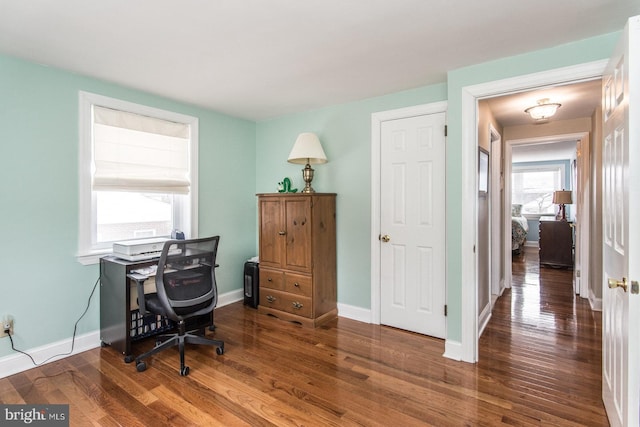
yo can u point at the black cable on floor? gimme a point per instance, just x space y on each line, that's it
73 339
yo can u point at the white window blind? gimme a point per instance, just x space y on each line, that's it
133 152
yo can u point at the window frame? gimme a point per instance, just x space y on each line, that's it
185 212
548 167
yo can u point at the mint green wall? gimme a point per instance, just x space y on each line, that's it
345 133
42 285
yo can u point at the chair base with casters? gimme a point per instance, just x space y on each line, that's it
180 339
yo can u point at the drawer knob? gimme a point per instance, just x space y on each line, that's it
296 305
282 233
297 285
269 279
271 298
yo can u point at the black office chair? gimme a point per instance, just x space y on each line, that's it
185 288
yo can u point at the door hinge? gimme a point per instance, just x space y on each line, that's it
445 310
445 130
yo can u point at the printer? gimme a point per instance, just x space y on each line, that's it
139 250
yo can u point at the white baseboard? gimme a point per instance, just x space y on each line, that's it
594 302
15 363
18 362
354 313
452 350
485 316
230 297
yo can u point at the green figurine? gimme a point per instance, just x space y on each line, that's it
285 186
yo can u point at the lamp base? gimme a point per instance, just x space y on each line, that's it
307 176
562 216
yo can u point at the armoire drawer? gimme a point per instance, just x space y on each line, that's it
297 284
284 301
272 279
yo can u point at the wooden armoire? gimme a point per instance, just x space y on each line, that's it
298 256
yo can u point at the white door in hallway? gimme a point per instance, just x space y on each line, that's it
621 230
412 223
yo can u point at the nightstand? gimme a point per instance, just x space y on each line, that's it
556 243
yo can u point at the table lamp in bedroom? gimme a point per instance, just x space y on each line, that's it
562 198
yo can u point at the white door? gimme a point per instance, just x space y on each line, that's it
621 231
412 224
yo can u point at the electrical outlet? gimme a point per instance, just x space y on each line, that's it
7 323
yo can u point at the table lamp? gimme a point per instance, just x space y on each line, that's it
562 198
306 151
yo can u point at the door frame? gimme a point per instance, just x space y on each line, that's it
470 96
376 125
508 168
498 253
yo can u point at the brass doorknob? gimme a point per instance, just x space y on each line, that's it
385 238
613 283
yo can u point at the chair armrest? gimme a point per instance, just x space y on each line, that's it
139 279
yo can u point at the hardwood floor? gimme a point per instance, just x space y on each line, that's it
539 365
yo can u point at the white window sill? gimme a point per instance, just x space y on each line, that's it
92 257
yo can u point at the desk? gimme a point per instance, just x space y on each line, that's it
120 321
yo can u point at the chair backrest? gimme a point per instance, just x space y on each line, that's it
185 279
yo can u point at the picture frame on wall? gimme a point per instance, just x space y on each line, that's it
483 172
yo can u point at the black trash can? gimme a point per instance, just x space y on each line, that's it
251 283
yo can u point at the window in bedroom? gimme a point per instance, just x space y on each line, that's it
138 173
533 187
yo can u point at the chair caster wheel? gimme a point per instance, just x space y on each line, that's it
220 351
128 358
141 366
184 371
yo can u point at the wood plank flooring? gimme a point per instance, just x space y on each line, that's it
539 365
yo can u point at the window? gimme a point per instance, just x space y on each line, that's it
533 187
138 174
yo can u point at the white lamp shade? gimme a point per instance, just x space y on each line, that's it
307 149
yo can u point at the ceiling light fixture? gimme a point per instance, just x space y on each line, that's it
543 110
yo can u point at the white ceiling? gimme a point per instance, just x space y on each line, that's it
577 100
258 59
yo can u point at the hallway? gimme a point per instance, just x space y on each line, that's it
544 344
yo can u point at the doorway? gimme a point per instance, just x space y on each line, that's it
470 97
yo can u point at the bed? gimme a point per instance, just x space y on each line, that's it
519 229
